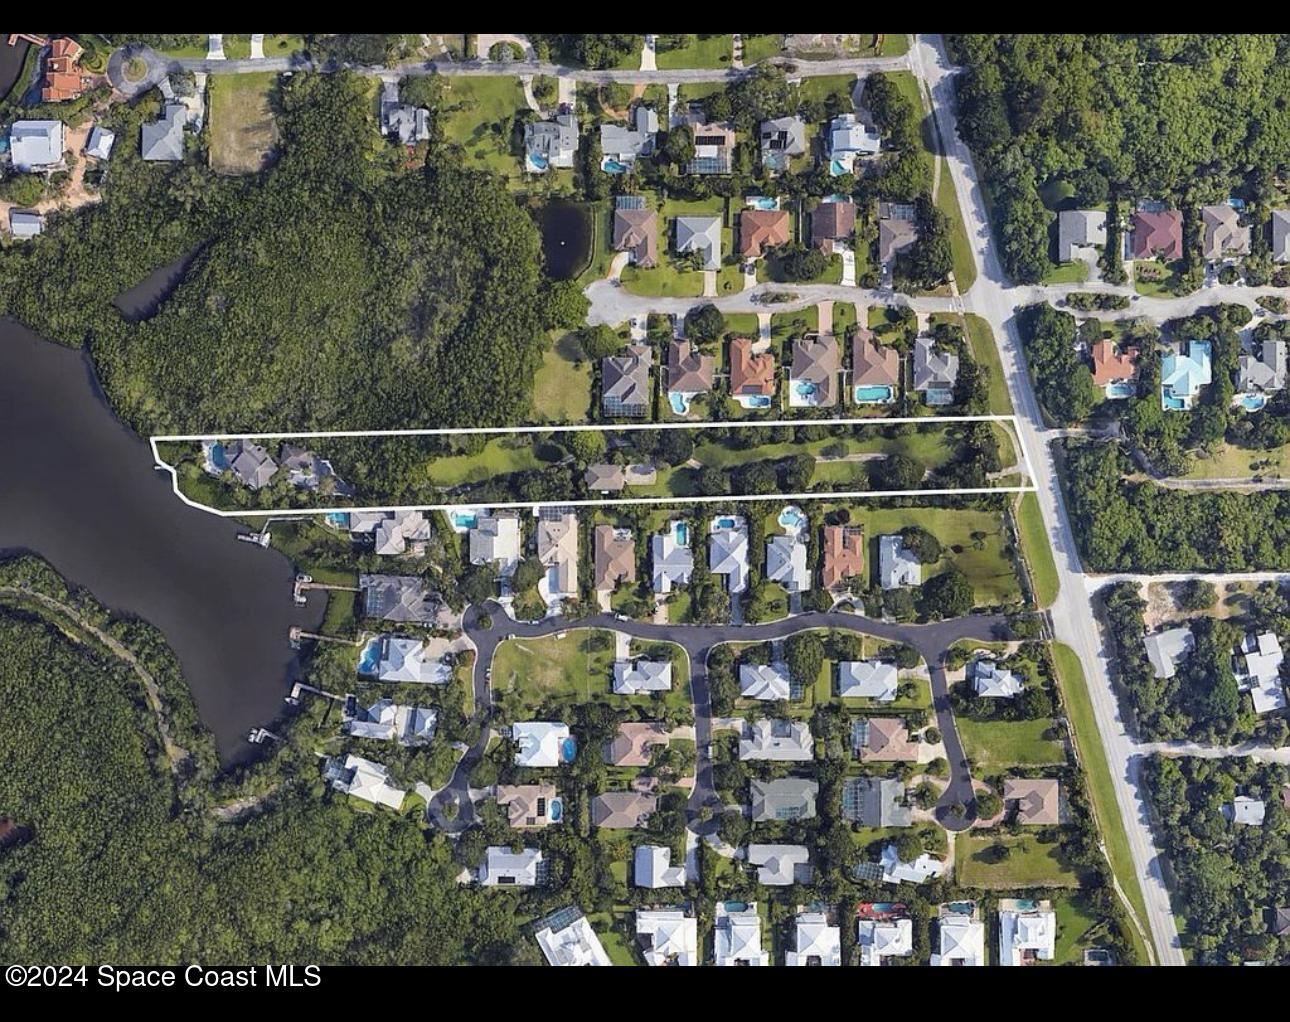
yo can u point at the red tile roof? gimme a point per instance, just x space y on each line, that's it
760 229
750 374
1109 364
1157 235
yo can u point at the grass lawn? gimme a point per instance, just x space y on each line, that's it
712 51
340 617
618 950
497 458
1079 711
822 86
844 317
986 352
742 324
1031 863
782 324
1232 462
476 113
673 279
960 244
1153 288
759 47
1078 927
1074 272
995 744
602 236
663 281
562 387
692 92
243 130
1037 550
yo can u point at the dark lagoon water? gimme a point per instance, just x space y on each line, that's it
146 297
566 238
11 59
79 489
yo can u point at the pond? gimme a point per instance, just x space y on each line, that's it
11 61
566 237
144 299
79 489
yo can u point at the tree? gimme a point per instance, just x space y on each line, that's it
599 341
898 472
948 594
804 654
678 146
988 805
1197 594
588 445
704 324
479 584
563 305
921 543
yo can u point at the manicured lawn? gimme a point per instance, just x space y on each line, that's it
562 387
1153 288
960 244
844 316
1232 462
618 950
1074 272
694 91
498 457
1030 864
992 745
340 616
986 352
1078 927
759 47
822 86
782 324
672 278
742 324
714 51
1037 550
476 114
243 130
1097 771
663 281
602 236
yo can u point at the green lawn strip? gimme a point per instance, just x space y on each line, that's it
602 236
993 745
986 352
742 324
715 51
1030 864
844 317
1074 272
1037 550
340 617
618 950
562 386
495 459
1092 756
820 87
761 46
1233 462
947 202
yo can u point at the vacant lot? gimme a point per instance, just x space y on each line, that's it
1029 863
994 744
562 387
243 130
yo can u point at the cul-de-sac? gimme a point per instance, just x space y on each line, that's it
664 499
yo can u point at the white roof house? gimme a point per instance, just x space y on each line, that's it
667 936
363 779
633 676
850 137
888 938
815 941
1165 649
779 740
1262 676
411 661
867 679
574 944
496 540
780 865
737 936
1079 229
991 681
786 563
1026 933
701 234
728 551
396 530
385 720
557 549
35 145
925 867
764 681
961 941
100 143
1246 811
673 561
25 224
653 868
897 565
505 868
540 743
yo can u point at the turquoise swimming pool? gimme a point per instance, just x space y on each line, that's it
839 167
762 202
1253 402
681 533
869 395
938 396
370 659
755 400
555 809
725 523
610 166
792 518
1171 403
1120 389
803 389
680 403
463 519
568 750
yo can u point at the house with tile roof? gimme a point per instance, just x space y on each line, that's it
689 372
1112 366
634 743
897 231
1156 235
1222 234
1037 799
843 555
495 540
761 229
636 232
622 810
875 367
831 223
63 76
884 740
614 558
936 371
813 374
625 383
713 146
529 806
557 549
752 375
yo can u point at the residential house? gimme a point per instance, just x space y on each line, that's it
25 224
737 935
363 779
63 78
621 145
36 145
605 478
780 140
920 870
614 558
782 741
780 865
876 802
636 232
1265 372
897 565
884 938
689 374
398 531
960 938
632 677
385 721
1156 234
897 231
622 810
884 740
1245 811
875 369
625 386
850 139
634 744
307 471
767 682
713 144
833 223
652 868
530 806
701 234
1078 232
162 140
251 464
752 376
399 599
540 743
760 229
1027 932
495 540
1038 799
99 144
1223 235
566 938
813 375
552 143
990 681
1165 649
935 372
667 936
673 560
1261 672
504 868
786 563
408 124
728 552
557 549
1113 369
867 679
1281 235
787 798
843 555
815 942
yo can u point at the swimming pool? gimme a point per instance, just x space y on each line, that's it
536 162
568 750
839 167
1120 389
1171 403
755 400
868 395
1253 402
804 390
463 520
792 518
339 519
938 396
370 659
555 809
611 166
680 402
681 533
725 523
961 908
762 202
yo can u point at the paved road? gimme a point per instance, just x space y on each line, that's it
931 640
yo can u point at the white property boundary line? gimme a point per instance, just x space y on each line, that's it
1010 420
